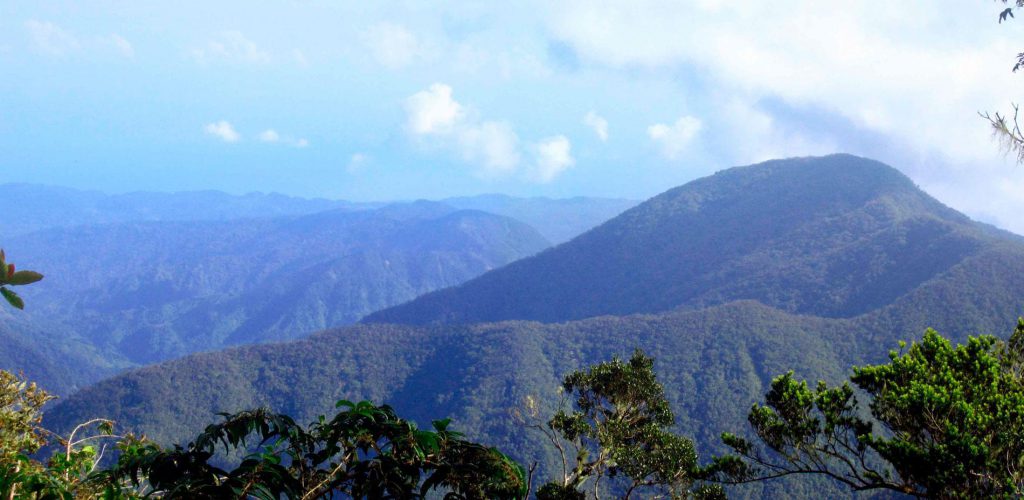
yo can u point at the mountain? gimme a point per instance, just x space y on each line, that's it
31 207
142 292
713 362
558 220
142 277
811 264
836 236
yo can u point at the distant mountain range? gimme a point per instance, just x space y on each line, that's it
136 279
31 207
812 264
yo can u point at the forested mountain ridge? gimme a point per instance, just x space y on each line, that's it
835 236
713 363
141 292
846 261
142 277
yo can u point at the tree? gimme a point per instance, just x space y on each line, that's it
365 451
945 422
1005 129
10 277
618 429
21 435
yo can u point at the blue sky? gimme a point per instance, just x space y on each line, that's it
401 100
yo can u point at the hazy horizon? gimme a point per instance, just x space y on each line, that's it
400 102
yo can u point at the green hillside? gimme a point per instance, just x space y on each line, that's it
810 264
142 292
835 236
714 363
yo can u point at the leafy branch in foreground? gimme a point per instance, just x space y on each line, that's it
365 451
11 277
619 429
21 435
945 422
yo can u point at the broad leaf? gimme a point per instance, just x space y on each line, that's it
24 277
12 298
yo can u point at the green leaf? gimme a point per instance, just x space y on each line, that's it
24 277
12 298
106 428
442 425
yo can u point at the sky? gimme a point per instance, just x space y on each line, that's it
403 100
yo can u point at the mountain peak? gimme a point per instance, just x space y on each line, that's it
796 234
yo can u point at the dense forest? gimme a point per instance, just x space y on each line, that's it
806 301
145 277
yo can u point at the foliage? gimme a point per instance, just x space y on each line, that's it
20 405
619 428
365 451
9 276
21 435
945 422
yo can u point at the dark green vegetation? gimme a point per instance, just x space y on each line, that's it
364 451
810 265
951 418
10 276
618 431
946 422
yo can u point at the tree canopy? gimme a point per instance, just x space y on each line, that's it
619 428
945 422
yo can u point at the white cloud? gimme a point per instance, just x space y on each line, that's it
674 139
123 46
269 135
598 124
761 137
357 162
232 47
392 45
913 73
494 145
902 69
554 156
51 39
433 111
223 131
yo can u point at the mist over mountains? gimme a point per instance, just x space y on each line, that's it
810 264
